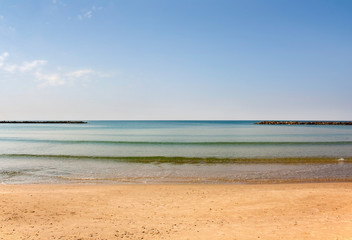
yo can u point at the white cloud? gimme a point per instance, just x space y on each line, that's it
36 70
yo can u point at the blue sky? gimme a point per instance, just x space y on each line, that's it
194 59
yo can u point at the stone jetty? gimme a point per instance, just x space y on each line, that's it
43 122
305 122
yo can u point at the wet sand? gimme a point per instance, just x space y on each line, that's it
266 211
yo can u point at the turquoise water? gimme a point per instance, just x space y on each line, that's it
210 151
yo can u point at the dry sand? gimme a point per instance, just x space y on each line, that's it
276 211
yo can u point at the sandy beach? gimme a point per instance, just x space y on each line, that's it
267 211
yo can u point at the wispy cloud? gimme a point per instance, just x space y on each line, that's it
88 13
80 73
36 69
62 78
49 79
5 28
26 66
3 58
58 2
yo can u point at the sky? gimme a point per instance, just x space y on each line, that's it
175 60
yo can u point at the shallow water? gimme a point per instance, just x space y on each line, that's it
151 151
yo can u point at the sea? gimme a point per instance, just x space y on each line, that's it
177 152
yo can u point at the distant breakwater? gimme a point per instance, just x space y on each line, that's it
43 122
304 123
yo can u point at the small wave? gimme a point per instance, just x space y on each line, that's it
175 142
11 173
181 160
15 173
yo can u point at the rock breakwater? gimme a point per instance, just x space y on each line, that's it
305 122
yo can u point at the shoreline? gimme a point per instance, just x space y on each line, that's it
183 181
176 211
194 160
110 171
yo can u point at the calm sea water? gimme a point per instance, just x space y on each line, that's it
151 151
